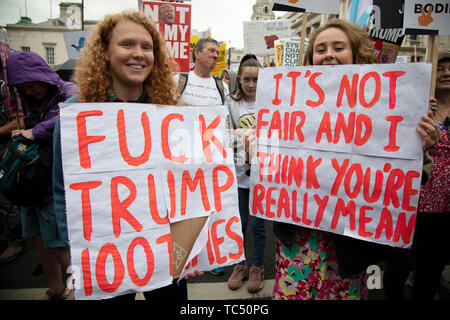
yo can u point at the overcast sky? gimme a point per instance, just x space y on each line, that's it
225 17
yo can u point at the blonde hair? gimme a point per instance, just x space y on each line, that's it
93 75
360 43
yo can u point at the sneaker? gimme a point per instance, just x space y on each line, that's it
236 278
256 279
217 272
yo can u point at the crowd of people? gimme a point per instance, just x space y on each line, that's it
125 60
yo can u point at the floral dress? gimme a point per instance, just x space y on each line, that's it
308 270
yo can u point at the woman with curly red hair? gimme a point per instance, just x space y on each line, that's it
125 60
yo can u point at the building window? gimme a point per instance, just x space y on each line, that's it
25 48
50 55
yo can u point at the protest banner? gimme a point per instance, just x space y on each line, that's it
385 28
259 36
174 23
279 51
291 53
324 6
337 149
427 17
74 42
151 195
221 60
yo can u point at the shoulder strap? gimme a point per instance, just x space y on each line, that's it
182 81
219 85
234 113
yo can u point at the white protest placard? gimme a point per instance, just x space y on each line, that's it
337 148
427 15
259 36
323 6
130 172
174 23
291 51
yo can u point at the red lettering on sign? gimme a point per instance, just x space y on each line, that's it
277 77
345 210
350 90
87 279
234 236
294 75
408 191
393 184
84 139
385 224
393 75
219 189
362 89
134 161
402 230
165 138
207 137
313 85
109 249
119 208
311 177
150 262
392 146
153 203
363 220
260 122
217 241
86 211
187 182
167 239
172 193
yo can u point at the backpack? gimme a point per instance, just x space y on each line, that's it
182 82
23 177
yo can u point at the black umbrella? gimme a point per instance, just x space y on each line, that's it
66 69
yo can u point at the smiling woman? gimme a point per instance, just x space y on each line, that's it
125 60
126 56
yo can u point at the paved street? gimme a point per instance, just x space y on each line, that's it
18 283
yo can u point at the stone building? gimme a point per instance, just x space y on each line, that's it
46 38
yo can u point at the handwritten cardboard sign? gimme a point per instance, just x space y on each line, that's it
259 36
151 194
427 17
337 148
174 23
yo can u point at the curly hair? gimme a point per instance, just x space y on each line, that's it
93 75
362 48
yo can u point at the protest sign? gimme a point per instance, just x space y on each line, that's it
279 50
385 28
291 52
259 36
427 17
74 42
174 23
151 194
337 149
324 6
